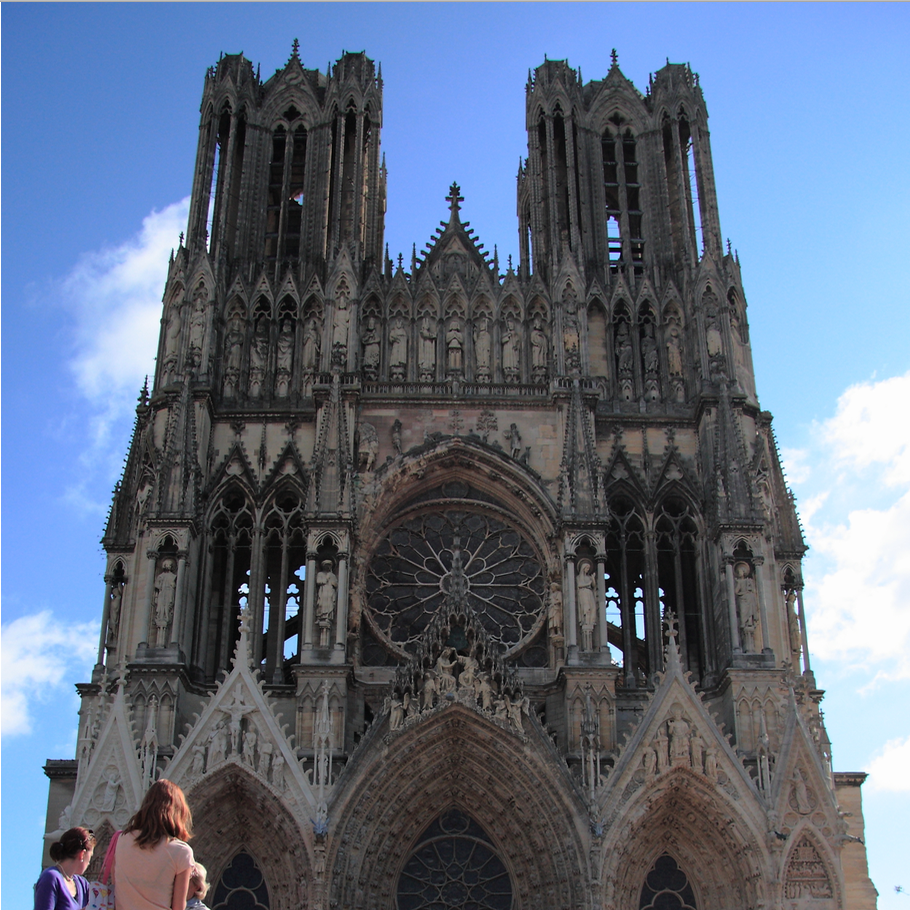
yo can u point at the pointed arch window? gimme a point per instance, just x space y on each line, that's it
622 196
454 865
667 887
285 196
242 885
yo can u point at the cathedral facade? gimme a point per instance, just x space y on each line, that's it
456 583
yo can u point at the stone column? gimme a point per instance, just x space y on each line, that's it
757 563
151 566
600 563
341 607
105 616
178 600
571 608
309 601
731 604
804 638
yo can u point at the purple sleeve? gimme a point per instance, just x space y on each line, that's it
46 890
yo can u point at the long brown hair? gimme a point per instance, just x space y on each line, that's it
164 813
72 842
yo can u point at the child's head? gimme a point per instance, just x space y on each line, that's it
198 885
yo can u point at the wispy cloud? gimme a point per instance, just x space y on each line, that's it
38 653
888 769
114 297
858 525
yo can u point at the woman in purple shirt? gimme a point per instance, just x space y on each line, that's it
61 886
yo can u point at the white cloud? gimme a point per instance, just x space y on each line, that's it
796 464
37 653
857 521
114 296
888 769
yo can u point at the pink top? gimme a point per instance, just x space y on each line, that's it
144 878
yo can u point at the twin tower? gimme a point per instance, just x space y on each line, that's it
444 584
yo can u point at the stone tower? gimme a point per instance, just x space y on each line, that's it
459 585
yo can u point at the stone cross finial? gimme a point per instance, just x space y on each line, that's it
614 57
295 49
453 199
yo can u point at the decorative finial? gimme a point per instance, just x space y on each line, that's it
729 247
295 49
400 260
510 262
453 199
181 239
614 57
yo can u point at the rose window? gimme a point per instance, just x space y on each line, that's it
411 574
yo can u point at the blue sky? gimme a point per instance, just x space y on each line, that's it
810 136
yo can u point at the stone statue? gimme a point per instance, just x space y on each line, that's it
198 768
428 690
793 624
660 746
679 737
649 350
111 789
715 343
744 591
445 671
396 714
237 710
396 436
540 349
310 346
674 351
265 758
750 624
165 594
511 351
426 361
711 762
249 747
514 438
197 327
340 327
278 772
623 349
698 752
455 347
370 340
555 608
398 349
218 740
585 586
485 692
368 446
326 596
113 617
285 358
233 355
483 343
171 345
468 675
650 763
259 356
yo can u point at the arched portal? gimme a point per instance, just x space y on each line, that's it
249 843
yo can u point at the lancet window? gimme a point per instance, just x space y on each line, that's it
224 188
678 577
285 198
622 196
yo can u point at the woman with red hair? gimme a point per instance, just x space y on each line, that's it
153 862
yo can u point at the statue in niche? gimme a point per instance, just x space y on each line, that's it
233 354
370 339
398 349
165 594
396 436
326 597
171 345
426 360
285 358
744 591
455 347
649 761
198 323
715 343
113 617
514 438
483 346
259 356
340 327
698 753
511 351
649 350
801 796
428 690
111 789
587 602
623 349
711 762
750 624
540 350
555 608
679 737
793 624
278 772
310 345
660 746
674 351
368 447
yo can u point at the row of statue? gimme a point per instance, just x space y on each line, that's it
458 677
676 745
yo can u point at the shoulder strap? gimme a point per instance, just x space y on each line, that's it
109 858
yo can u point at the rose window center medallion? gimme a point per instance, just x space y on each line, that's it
472 556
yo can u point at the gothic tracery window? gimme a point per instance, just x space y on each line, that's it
454 866
666 887
411 572
242 886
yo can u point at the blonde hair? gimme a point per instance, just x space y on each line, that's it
198 881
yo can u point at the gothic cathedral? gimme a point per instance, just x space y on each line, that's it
454 583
